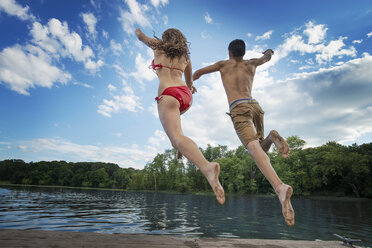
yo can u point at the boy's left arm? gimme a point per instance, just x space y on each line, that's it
266 57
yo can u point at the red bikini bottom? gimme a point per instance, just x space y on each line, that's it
181 93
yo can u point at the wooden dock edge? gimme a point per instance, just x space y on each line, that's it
39 238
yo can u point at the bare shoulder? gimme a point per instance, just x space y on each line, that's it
250 61
224 63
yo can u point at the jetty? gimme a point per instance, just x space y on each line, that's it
39 238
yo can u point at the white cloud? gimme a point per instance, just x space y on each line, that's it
71 42
249 34
323 52
165 20
111 87
90 20
324 105
208 18
11 7
357 41
126 101
56 39
116 48
335 48
135 16
93 66
24 68
105 34
58 149
159 142
159 3
118 134
265 36
315 33
143 73
305 67
83 84
369 34
153 109
205 35
49 43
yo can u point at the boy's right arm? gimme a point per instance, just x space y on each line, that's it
208 69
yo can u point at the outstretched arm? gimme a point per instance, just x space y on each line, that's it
206 70
144 38
266 57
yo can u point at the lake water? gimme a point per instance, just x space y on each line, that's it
182 214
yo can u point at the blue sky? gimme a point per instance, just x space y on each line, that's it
75 83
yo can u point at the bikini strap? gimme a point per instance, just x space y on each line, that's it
154 66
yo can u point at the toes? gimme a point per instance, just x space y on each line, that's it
220 194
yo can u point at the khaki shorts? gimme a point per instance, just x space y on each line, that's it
247 118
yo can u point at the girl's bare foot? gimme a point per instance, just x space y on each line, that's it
280 143
212 174
284 193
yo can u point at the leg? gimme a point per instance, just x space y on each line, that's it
169 115
283 191
279 142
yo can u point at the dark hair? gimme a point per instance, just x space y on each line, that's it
173 43
237 48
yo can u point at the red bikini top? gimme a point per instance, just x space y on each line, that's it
159 66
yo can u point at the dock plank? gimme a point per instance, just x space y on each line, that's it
40 238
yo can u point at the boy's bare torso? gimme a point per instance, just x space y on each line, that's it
237 77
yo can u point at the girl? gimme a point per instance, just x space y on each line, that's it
171 60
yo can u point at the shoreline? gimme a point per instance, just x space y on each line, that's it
42 238
320 196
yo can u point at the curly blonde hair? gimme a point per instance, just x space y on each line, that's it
173 43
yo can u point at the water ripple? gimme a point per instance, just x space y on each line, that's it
177 214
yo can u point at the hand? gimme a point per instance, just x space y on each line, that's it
138 31
269 52
192 89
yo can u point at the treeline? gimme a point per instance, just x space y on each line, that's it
330 169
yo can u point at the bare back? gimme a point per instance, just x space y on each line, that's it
237 74
169 71
237 77
169 77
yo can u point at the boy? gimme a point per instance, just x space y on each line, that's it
247 116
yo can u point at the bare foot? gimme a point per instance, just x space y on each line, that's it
280 143
212 174
284 193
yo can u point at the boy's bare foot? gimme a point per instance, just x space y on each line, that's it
284 193
212 174
280 143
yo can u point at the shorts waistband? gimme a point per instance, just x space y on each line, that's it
240 101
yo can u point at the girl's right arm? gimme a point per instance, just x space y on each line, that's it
144 38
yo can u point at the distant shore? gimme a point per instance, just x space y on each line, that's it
351 197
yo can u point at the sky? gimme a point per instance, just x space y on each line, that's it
75 83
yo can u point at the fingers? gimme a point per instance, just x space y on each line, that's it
269 50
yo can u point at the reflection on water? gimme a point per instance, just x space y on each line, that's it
199 215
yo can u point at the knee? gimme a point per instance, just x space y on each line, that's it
254 148
176 141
